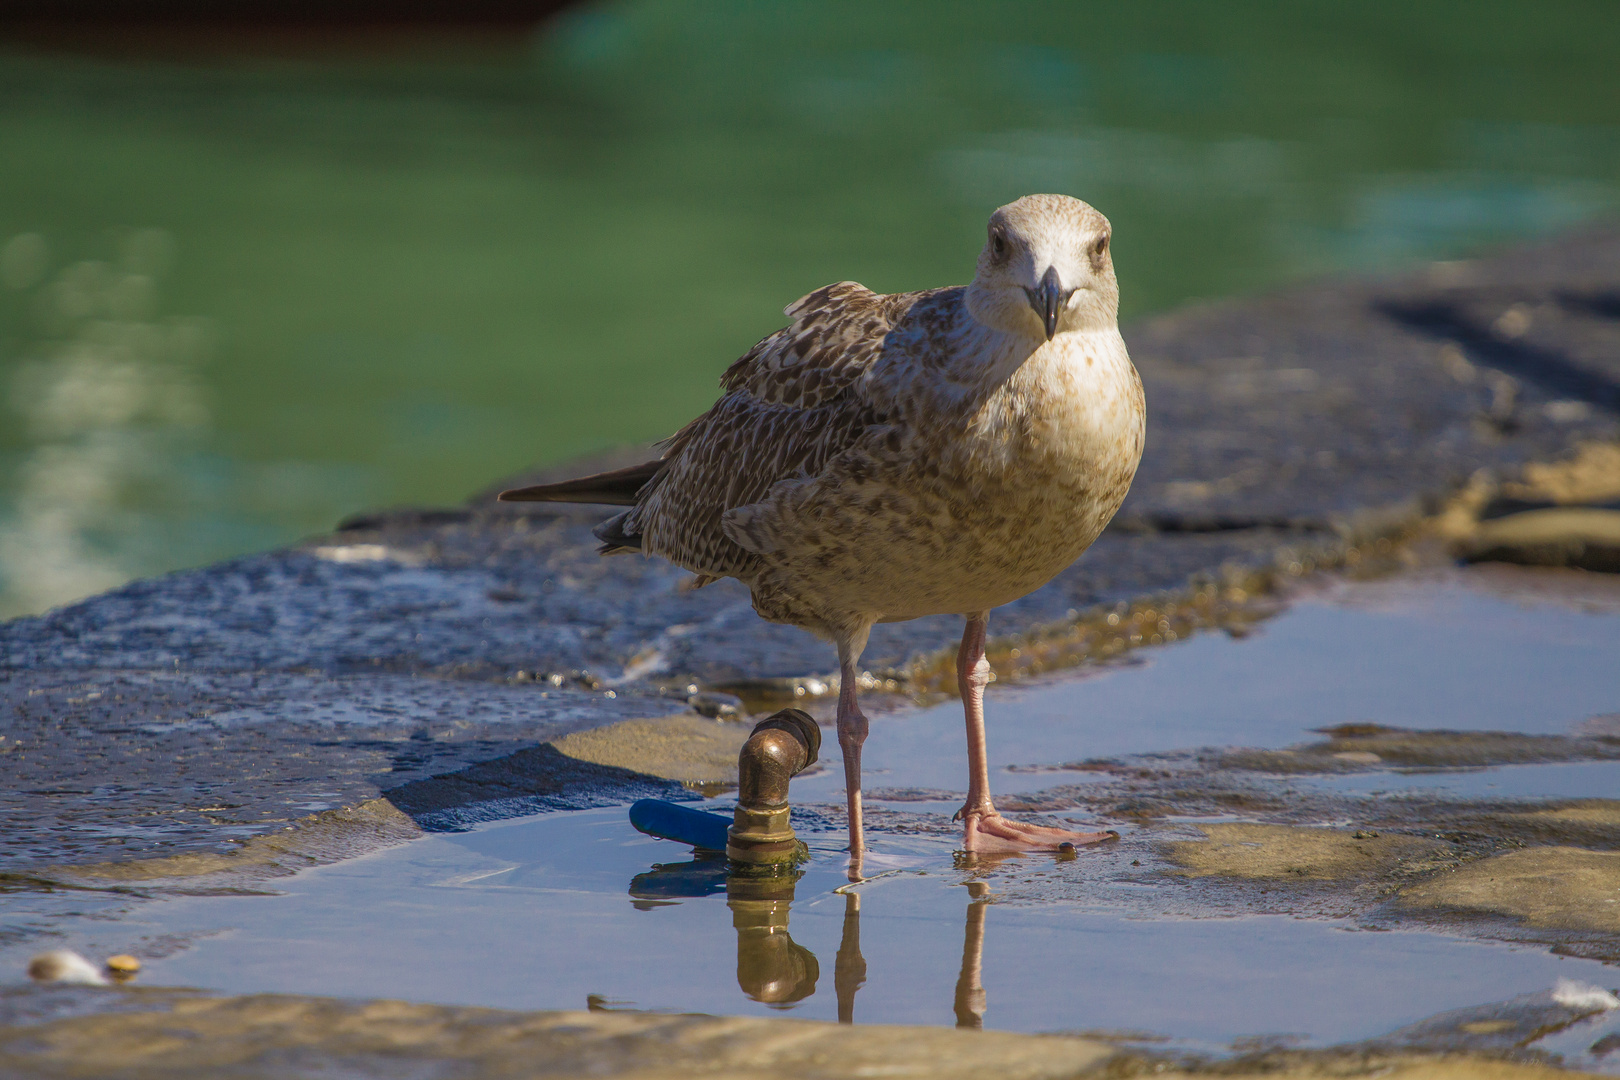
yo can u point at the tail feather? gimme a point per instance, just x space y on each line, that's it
615 537
616 488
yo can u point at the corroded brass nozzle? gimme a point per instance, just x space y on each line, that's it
781 746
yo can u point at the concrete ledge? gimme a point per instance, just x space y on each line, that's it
178 1036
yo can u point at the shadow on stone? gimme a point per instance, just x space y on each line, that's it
1551 369
529 781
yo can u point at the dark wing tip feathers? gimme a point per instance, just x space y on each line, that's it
616 488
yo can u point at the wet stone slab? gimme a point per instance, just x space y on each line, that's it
1284 432
1273 423
1281 852
1548 887
132 764
319 770
497 592
1332 917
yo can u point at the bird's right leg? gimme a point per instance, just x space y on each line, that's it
851 734
983 827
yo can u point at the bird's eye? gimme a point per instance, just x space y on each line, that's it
1099 252
1102 244
998 245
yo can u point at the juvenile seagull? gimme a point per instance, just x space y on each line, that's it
889 457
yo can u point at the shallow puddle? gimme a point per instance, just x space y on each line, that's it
1543 780
561 910
547 912
1493 649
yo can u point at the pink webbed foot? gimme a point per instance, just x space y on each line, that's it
987 832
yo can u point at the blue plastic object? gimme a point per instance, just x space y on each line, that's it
672 821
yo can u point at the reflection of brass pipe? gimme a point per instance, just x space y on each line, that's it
970 1000
849 970
782 745
771 967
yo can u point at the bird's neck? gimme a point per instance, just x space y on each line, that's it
1013 353
976 363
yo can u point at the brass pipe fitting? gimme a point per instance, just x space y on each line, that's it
782 745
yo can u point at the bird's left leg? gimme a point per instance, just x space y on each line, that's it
852 729
983 827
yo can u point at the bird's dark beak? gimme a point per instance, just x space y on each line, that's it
1048 299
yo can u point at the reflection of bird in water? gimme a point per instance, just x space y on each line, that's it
849 969
889 457
970 999
849 972
777 971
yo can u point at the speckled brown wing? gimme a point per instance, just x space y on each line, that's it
791 404
836 334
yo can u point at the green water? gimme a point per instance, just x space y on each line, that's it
240 298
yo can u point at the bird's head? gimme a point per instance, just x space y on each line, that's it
1045 269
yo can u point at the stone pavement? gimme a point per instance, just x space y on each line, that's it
212 705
